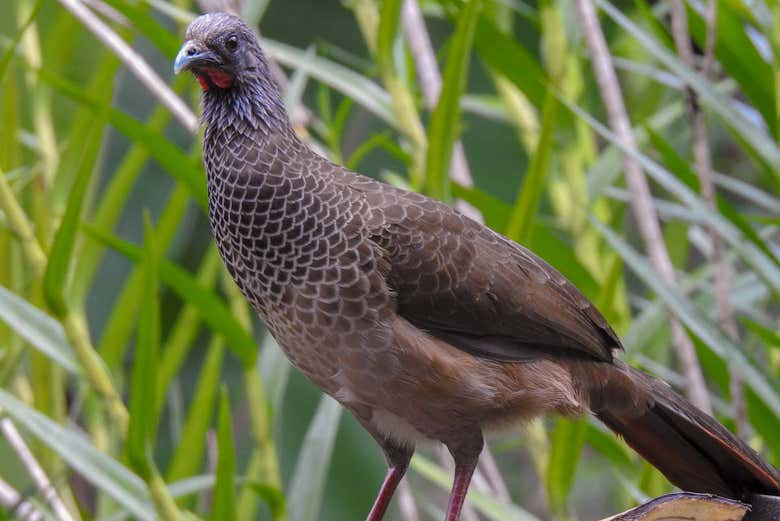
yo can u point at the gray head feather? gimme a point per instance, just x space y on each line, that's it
252 102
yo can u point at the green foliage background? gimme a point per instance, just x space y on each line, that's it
118 327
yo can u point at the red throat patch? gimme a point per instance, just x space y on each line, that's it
218 77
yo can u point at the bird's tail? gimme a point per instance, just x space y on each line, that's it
689 447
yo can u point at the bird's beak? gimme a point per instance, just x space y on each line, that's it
192 53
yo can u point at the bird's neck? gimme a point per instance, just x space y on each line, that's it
253 108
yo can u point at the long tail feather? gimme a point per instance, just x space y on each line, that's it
689 447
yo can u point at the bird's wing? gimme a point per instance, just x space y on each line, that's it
462 282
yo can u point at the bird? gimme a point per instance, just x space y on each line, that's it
423 323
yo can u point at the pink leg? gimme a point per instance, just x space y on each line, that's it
466 456
392 478
460 487
398 457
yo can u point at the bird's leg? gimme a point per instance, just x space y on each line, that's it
466 455
398 457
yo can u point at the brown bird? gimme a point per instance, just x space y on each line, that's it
424 324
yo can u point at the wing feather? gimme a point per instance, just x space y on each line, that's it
472 287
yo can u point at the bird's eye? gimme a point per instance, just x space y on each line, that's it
231 44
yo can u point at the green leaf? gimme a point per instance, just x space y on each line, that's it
73 447
445 121
523 213
566 443
188 454
5 59
55 277
272 496
770 338
166 153
224 506
114 196
143 391
183 334
503 54
179 489
304 496
608 445
388 29
765 422
138 14
116 333
40 330
495 211
212 308
381 140
684 310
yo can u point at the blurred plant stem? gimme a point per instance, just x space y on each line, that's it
163 501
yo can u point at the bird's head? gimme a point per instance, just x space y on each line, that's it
220 50
224 55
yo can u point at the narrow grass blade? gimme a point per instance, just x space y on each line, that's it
566 442
189 452
388 29
143 391
61 250
275 371
503 54
271 496
138 14
445 123
116 332
169 155
532 188
41 331
212 308
224 503
5 59
304 496
765 422
179 489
